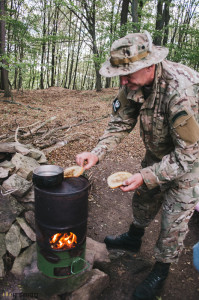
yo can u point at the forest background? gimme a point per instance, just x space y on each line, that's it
46 43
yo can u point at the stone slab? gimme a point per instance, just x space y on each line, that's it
3 173
2 244
24 165
18 184
27 229
100 251
23 260
93 288
2 272
30 218
12 239
7 147
29 197
10 208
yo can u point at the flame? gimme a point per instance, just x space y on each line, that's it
63 241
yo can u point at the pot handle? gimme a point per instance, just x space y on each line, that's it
78 259
6 193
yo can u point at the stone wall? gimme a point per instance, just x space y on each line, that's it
17 234
17 228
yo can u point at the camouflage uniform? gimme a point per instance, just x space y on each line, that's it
169 119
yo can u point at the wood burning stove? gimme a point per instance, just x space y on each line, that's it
61 223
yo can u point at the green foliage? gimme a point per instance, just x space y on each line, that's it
74 36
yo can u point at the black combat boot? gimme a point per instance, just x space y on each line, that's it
151 286
130 240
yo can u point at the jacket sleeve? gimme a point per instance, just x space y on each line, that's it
183 160
123 119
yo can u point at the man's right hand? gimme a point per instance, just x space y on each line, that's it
86 160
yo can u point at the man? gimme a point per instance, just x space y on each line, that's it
165 97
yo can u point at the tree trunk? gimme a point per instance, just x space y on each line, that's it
135 18
77 59
87 17
16 70
55 22
72 50
124 16
4 83
69 47
159 23
43 48
20 71
166 21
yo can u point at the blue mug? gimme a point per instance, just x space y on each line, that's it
196 256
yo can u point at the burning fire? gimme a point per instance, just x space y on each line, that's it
63 241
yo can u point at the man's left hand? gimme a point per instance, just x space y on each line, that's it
132 183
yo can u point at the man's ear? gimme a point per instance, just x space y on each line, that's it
151 68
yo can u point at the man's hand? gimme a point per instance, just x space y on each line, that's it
132 183
86 160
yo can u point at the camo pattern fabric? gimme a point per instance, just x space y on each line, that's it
169 127
131 53
177 208
169 119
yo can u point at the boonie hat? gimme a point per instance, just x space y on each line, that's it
132 53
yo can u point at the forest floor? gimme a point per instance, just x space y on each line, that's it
109 210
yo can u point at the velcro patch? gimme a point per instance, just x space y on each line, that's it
186 127
178 115
116 105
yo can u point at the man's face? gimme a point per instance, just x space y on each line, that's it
138 79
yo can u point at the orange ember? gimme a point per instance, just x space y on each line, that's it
63 241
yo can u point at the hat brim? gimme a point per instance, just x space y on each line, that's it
157 55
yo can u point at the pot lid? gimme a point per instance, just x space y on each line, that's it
69 186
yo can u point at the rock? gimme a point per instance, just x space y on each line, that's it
10 208
43 159
24 259
7 147
34 280
7 165
95 280
93 288
30 218
28 150
26 228
36 154
20 185
24 165
13 242
25 241
2 245
16 240
90 257
29 197
29 206
4 172
2 272
100 252
21 149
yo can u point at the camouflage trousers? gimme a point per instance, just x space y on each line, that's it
177 206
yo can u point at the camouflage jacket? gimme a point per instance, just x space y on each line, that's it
169 119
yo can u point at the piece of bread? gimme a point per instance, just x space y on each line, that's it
74 171
115 180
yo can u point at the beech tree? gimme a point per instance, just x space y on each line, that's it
64 42
4 83
162 22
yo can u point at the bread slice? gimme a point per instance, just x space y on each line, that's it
115 180
74 171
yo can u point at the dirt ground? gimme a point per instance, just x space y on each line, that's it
109 210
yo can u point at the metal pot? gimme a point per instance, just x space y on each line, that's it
48 176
